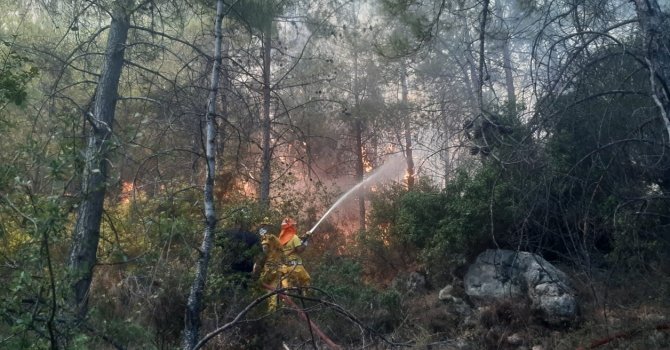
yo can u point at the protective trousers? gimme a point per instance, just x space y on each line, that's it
271 278
295 276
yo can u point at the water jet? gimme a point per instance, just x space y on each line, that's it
391 167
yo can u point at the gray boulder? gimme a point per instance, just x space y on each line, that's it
455 304
506 274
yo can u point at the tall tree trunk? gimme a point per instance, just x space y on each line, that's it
469 68
469 75
360 170
194 304
358 135
226 87
446 150
83 252
656 28
475 83
509 76
266 126
407 127
507 59
481 69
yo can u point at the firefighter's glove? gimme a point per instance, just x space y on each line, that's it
308 234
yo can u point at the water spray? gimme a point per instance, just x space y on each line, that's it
393 166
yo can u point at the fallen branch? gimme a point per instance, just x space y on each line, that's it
287 298
237 318
623 335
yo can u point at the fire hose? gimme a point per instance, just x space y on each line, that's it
285 298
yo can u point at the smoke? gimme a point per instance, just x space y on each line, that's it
391 169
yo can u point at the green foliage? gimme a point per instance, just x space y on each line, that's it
607 161
257 14
480 209
592 189
14 75
36 166
411 24
417 211
434 225
342 280
33 230
19 321
641 237
138 225
126 331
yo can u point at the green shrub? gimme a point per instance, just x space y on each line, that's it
341 280
431 226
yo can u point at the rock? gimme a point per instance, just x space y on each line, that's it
452 290
446 293
505 274
514 339
455 305
416 283
556 304
459 307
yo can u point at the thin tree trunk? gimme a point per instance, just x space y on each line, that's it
360 170
194 304
481 68
469 68
223 99
446 151
266 126
507 60
509 76
358 135
407 127
469 77
86 235
446 160
656 25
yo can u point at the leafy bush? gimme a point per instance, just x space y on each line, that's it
438 228
341 279
14 75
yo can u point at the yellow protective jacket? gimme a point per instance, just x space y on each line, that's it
289 250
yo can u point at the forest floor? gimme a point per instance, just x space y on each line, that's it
617 311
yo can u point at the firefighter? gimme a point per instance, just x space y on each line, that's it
294 274
271 263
